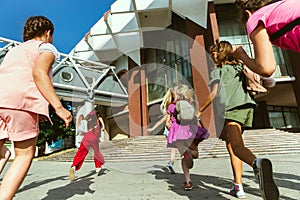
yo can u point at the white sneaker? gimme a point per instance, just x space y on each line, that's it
171 168
98 170
237 191
264 173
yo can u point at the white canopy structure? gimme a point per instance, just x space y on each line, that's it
119 31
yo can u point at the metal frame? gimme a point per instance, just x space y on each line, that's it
89 91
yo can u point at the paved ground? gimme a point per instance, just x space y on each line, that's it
151 180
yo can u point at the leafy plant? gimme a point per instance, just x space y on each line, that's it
53 132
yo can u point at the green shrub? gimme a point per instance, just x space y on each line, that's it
53 132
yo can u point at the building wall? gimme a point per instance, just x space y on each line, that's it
138 119
202 39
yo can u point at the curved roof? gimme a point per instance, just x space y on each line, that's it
119 31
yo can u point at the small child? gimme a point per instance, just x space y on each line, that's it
227 84
185 137
26 72
90 140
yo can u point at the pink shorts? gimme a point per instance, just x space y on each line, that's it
18 125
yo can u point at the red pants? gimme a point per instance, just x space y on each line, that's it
89 140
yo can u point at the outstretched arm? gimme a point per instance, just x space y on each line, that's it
157 124
81 117
168 121
102 123
43 82
209 99
264 61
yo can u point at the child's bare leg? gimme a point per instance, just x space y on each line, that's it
172 155
24 153
172 160
234 137
181 146
194 150
5 154
236 165
186 171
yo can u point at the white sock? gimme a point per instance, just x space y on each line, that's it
240 186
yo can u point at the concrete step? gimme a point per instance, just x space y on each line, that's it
146 148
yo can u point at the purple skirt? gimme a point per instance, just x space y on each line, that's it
190 132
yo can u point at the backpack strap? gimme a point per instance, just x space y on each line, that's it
288 27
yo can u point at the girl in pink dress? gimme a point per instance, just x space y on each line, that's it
185 137
25 96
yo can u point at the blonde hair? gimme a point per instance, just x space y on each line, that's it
184 92
168 99
176 93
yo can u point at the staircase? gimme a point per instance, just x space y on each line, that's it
149 148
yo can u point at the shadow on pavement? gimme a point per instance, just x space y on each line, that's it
205 186
36 184
282 180
103 171
78 187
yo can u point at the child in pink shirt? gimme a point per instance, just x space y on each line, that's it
25 97
263 19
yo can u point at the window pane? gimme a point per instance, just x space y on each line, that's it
156 82
276 120
292 120
286 109
277 108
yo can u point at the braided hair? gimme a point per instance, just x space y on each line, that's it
36 26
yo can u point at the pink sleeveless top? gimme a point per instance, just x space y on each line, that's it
18 89
274 17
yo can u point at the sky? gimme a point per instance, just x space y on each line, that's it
72 19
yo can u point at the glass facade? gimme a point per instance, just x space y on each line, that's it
172 66
283 117
170 70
